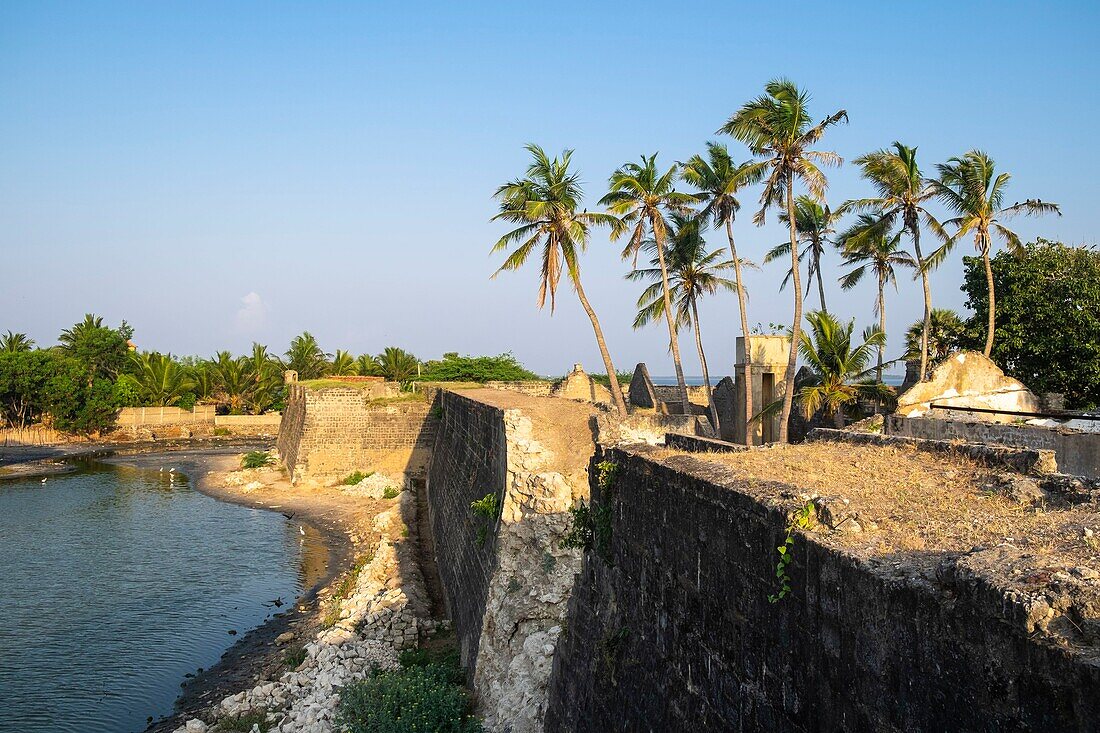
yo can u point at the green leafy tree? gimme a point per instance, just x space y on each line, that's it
546 207
366 366
719 180
777 127
882 256
945 334
306 357
24 376
1047 317
103 352
692 273
971 188
14 343
77 405
455 368
902 194
815 226
641 196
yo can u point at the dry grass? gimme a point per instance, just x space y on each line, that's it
918 502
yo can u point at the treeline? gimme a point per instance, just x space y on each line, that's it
80 384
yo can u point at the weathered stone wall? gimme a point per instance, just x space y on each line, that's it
532 387
331 432
969 379
138 417
1075 452
469 462
675 632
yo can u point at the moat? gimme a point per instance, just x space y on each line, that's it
119 583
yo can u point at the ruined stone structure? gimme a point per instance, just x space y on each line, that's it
330 432
577 385
641 391
768 366
969 379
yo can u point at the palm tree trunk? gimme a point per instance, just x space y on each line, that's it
612 375
914 229
673 339
744 333
991 323
820 283
881 325
703 364
796 325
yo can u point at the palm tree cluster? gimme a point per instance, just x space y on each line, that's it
645 206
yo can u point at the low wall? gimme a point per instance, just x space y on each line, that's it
1075 453
139 417
532 387
330 432
674 630
248 421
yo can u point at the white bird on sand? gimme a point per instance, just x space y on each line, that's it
302 531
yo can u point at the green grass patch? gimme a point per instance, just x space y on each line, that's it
425 695
325 383
390 492
244 722
221 432
355 477
294 657
343 590
256 459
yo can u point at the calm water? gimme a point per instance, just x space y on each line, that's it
117 581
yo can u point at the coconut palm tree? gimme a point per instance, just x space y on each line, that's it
343 364
719 180
397 365
14 343
970 187
881 255
777 127
902 194
815 226
365 366
264 377
945 333
641 196
692 273
546 206
839 373
232 381
160 379
306 357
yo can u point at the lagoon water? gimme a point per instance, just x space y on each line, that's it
115 582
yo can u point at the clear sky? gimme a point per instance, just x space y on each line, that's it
217 173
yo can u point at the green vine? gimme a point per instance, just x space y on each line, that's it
801 520
485 509
591 528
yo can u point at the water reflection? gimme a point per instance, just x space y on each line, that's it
116 581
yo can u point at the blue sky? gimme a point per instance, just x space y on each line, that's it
221 173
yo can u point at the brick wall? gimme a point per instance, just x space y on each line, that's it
469 461
676 631
1076 453
331 432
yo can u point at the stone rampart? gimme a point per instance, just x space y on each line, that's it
330 432
672 629
1075 453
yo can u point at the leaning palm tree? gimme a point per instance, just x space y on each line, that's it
692 272
14 343
881 254
777 127
641 196
815 225
902 195
719 179
546 206
969 187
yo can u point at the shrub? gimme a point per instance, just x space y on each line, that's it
294 657
421 698
256 459
390 492
355 477
244 722
221 432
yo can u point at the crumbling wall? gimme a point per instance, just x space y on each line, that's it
578 385
672 629
968 379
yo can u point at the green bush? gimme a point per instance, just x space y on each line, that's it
294 657
353 478
455 368
244 722
256 459
421 698
390 492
